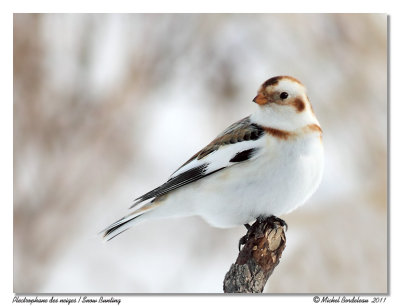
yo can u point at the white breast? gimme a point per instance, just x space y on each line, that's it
281 179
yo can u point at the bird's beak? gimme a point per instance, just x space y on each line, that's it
260 99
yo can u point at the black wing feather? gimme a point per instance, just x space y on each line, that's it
243 130
244 155
178 181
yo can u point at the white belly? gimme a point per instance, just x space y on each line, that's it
274 184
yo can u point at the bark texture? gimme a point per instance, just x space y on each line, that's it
263 246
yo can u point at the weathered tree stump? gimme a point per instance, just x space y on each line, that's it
264 243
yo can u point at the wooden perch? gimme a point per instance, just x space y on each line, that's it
263 246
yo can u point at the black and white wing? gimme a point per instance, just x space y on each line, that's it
238 143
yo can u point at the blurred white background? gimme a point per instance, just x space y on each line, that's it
107 106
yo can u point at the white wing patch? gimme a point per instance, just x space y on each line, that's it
221 157
240 142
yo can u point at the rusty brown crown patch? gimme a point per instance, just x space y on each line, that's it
275 80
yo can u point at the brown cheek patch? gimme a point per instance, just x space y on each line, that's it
298 104
277 133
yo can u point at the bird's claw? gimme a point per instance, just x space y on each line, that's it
274 221
271 220
244 239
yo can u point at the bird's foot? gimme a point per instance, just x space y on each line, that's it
243 240
274 221
254 229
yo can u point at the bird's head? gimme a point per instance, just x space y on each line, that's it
284 99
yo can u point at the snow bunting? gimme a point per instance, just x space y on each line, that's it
266 164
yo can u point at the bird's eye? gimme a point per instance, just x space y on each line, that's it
284 95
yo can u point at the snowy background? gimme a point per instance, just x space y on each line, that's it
106 107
